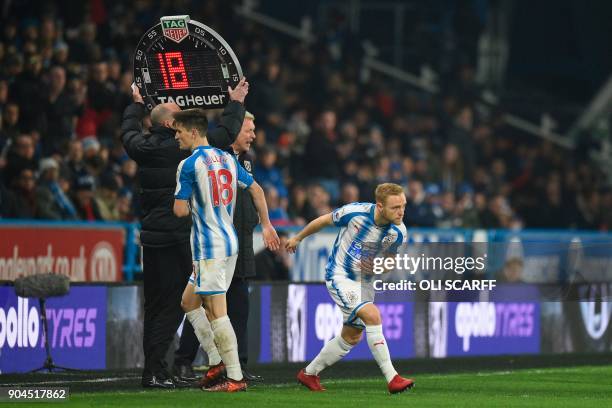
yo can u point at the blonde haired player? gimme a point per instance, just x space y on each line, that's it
359 223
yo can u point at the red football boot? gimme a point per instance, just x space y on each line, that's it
228 385
312 382
212 376
399 384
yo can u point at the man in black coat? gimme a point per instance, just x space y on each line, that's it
245 220
166 256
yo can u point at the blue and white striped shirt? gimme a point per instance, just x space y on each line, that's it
358 231
209 179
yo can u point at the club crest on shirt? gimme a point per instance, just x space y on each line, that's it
336 215
247 166
388 239
352 298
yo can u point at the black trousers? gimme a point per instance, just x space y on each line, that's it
166 272
238 312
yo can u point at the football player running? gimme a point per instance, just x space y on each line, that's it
360 224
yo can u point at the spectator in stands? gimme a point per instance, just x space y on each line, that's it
466 209
480 205
124 205
273 266
52 202
498 181
267 173
128 173
60 54
106 197
590 208
24 194
27 91
424 169
374 144
448 208
606 216
418 211
61 111
321 151
349 194
85 49
13 65
551 207
93 156
278 215
86 206
4 89
300 209
481 180
451 171
395 172
433 197
48 32
299 126
20 156
266 98
460 135
382 170
319 199
101 93
73 164
498 214
8 207
366 181
10 121
350 171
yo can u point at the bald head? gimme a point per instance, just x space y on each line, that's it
161 115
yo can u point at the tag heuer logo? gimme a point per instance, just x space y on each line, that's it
175 27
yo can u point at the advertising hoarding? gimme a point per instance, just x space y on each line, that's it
84 254
77 330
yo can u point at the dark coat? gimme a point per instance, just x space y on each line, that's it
158 157
245 220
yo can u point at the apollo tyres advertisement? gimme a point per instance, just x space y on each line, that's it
297 320
77 330
82 252
474 328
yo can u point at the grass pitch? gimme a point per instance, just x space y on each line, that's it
552 387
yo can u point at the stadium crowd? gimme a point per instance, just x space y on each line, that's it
327 133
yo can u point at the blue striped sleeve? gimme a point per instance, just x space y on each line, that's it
185 179
344 214
244 178
402 236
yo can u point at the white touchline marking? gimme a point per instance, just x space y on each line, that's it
68 381
330 381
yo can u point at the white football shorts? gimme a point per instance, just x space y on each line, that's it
350 296
213 276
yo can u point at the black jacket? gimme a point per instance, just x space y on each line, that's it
245 220
158 156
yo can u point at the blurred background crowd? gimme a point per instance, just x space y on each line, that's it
326 133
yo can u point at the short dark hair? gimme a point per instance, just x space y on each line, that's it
192 119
